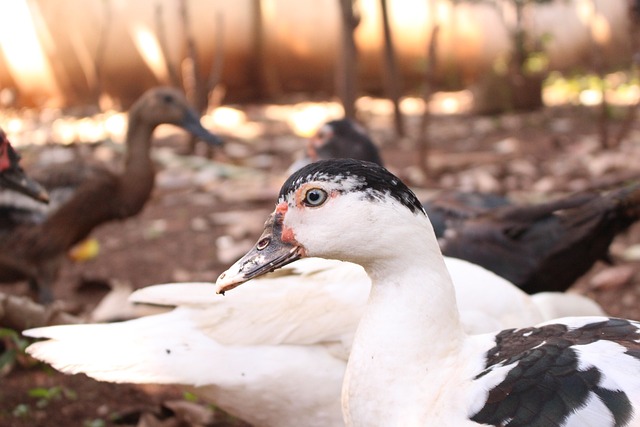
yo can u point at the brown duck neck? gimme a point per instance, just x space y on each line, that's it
108 196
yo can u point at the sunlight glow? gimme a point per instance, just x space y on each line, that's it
149 48
23 51
227 118
590 97
305 118
116 126
600 30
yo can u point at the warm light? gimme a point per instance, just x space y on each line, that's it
90 129
600 30
451 102
444 11
412 106
377 106
116 126
24 55
450 105
63 131
306 118
590 97
149 48
226 118
585 9
14 125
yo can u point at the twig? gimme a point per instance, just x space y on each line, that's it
101 48
263 75
346 69
393 80
217 65
192 82
634 34
22 313
424 141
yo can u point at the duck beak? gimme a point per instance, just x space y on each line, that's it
15 179
191 123
267 255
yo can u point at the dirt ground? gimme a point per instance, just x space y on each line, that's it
180 235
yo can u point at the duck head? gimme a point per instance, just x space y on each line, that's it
342 209
168 105
343 138
13 177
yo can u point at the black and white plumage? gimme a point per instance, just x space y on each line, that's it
13 177
411 363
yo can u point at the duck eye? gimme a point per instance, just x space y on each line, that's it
315 197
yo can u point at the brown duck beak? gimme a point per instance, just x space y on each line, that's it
15 179
268 254
191 123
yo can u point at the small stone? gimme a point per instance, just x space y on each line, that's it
612 277
199 224
632 253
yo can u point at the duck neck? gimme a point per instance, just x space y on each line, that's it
138 145
409 330
139 171
411 305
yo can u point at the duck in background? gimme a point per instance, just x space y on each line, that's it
346 139
35 241
338 139
545 247
13 177
411 362
542 247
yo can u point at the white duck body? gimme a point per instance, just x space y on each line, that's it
422 298
266 356
411 362
293 330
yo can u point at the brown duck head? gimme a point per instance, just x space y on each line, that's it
168 105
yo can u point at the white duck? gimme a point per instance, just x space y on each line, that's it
273 354
290 334
411 362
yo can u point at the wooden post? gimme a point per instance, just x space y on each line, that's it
392 77
424 139
346 70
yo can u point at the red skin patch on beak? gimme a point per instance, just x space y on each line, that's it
287 235
282 208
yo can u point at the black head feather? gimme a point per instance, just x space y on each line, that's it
375 181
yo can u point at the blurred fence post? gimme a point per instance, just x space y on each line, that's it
346 70
392 77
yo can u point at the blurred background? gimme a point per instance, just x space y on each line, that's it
527 99
490 56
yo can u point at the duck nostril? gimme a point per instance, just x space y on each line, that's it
263 243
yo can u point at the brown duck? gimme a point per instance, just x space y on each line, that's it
35 248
